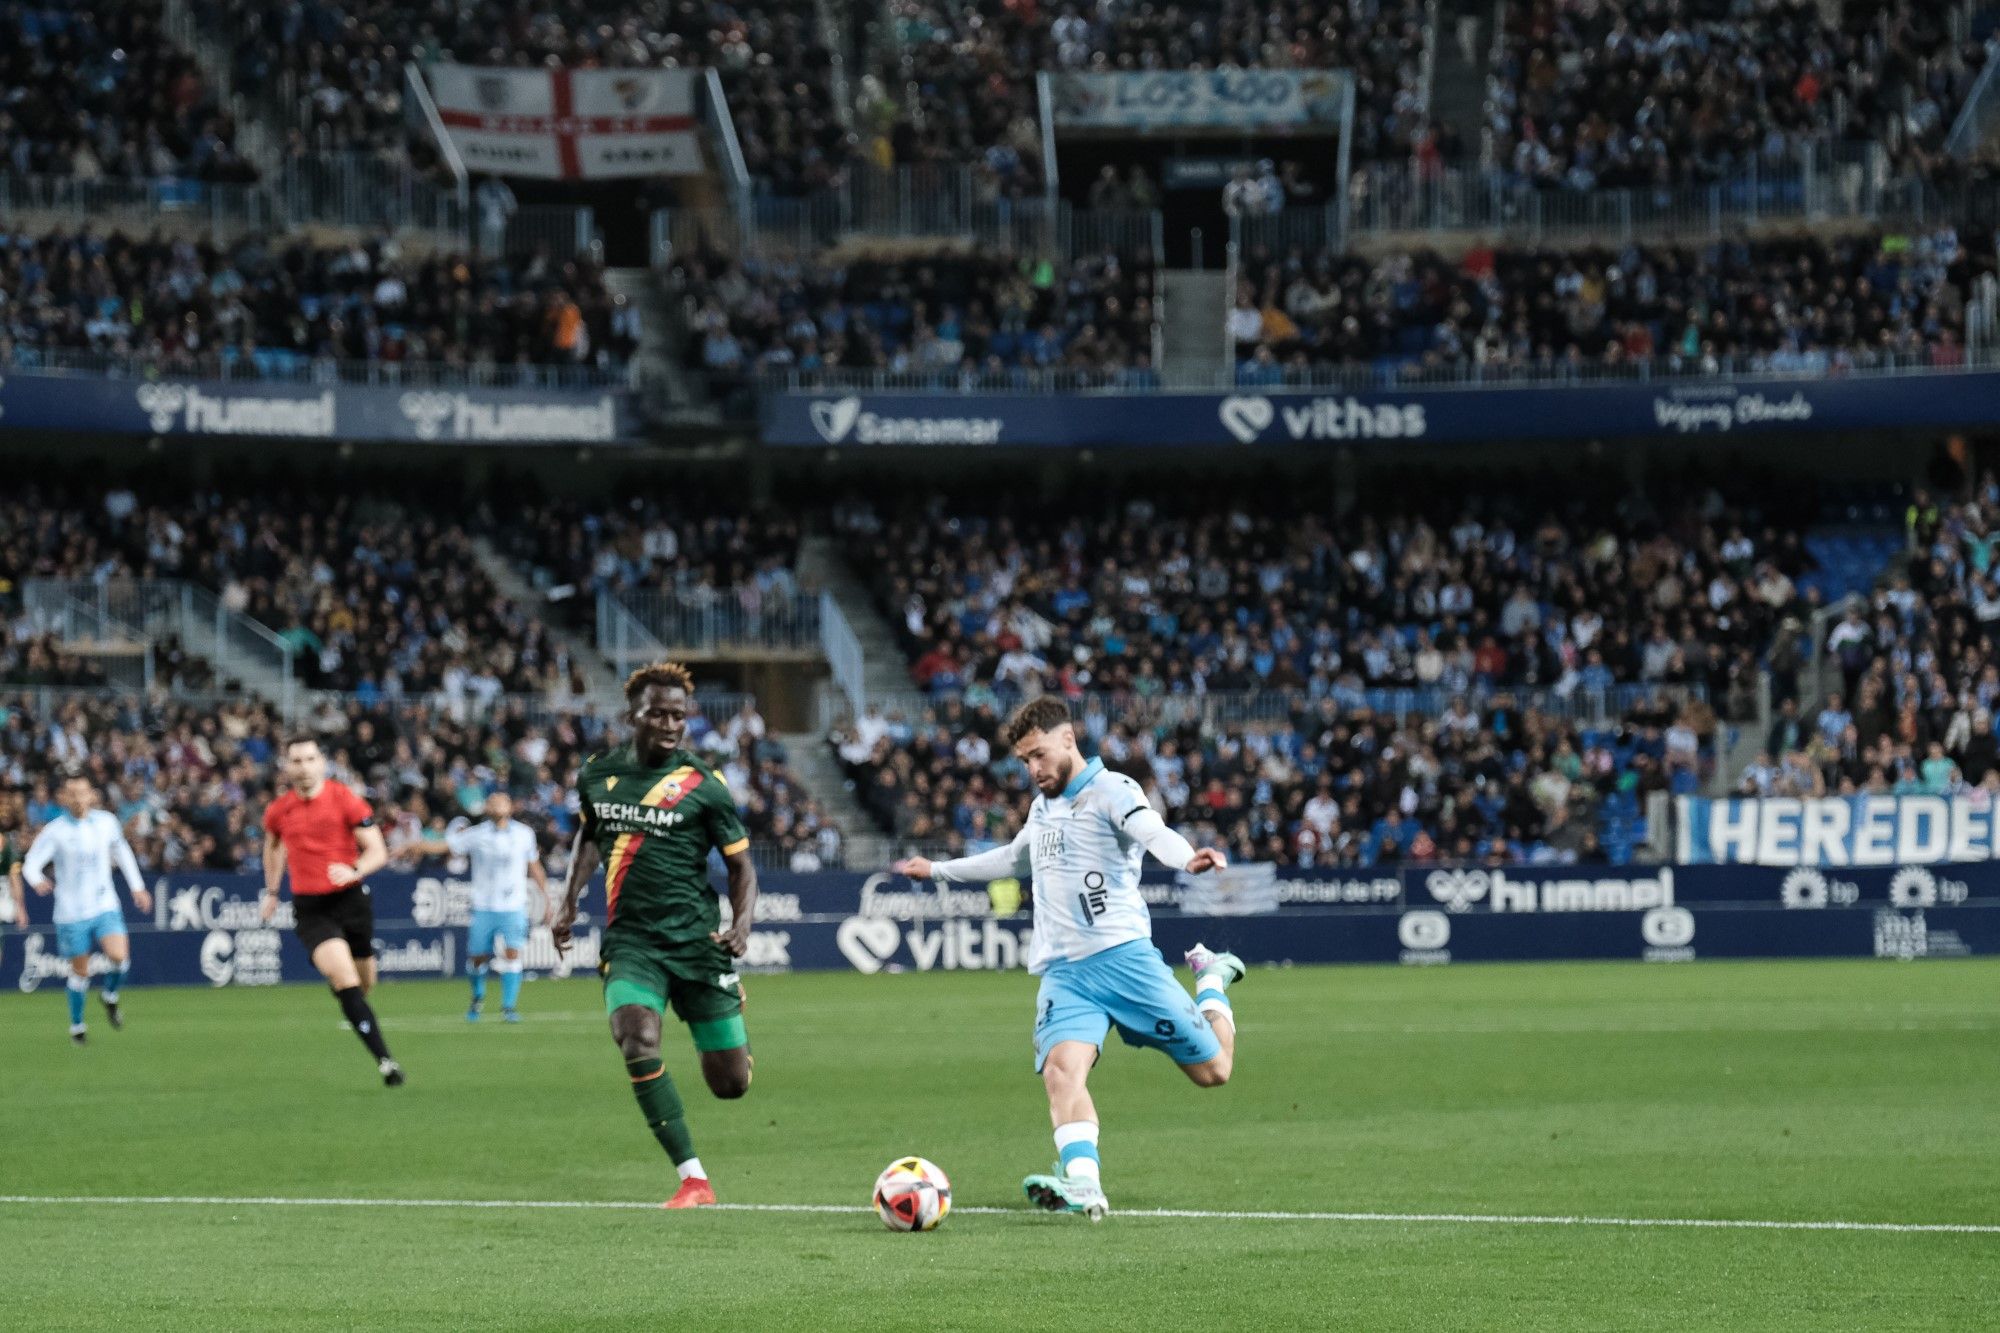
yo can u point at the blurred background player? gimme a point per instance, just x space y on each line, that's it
10 870
81 843
326 836
651 812
501 856
1085 843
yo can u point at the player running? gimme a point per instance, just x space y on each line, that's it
82 843
1085 842
326 836
651 811
502 856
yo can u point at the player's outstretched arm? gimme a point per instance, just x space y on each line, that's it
1009 861
583 859
40 852
742 902
128 866
1169 848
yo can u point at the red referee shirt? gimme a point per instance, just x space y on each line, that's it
317 833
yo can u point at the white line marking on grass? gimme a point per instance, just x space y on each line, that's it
1197 1214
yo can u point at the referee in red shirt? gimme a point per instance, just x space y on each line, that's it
327 836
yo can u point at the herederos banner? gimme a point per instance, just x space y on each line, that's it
569 124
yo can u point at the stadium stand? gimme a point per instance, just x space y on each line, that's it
189 776
1805 304
983 316
1324 784
1640 93
1255 591
101 92
277 309
1913 681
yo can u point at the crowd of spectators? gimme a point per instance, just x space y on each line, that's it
189 778
732 567
274 307
1645 93
1807 305
1918 671
978 317
1324 785
97 91
372 596
1804 305
1531 585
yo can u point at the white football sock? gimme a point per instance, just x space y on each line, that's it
691 1168
1076 1145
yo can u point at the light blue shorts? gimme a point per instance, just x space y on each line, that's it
78 938
1129 987
493 931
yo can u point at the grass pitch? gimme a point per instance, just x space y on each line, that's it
1768 1093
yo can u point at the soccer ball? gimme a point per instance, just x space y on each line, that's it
912 1195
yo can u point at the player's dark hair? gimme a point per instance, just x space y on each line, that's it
300 738
1043 714
670 675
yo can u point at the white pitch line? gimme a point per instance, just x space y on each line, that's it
1198 1214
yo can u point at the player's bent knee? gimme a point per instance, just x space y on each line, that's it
636 1029
728 1087
727 1072
1210 1073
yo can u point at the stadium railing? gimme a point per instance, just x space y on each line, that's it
1980 113
373 193
1828 183
222 210
636 622
842 647
327 707
1854 364
230 364
236 646
1582 706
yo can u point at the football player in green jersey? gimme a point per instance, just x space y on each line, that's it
651 812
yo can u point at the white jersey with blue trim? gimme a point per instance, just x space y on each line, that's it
498 863
1084 849
82 851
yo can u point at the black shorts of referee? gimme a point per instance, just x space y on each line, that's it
345 914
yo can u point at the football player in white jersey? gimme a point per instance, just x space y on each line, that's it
501 854
81 844
1085 842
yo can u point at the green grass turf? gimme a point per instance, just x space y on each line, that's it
1852 1091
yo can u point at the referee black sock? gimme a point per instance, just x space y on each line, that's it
362 1019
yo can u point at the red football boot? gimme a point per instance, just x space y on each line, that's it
693 1193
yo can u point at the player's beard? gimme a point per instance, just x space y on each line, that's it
1062 780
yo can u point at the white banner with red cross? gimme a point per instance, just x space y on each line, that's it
569 124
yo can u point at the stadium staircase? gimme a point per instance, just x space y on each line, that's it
603 681
822 566
654 361
1195 317
1458 88
883 676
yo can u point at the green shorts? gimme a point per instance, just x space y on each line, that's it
705 993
